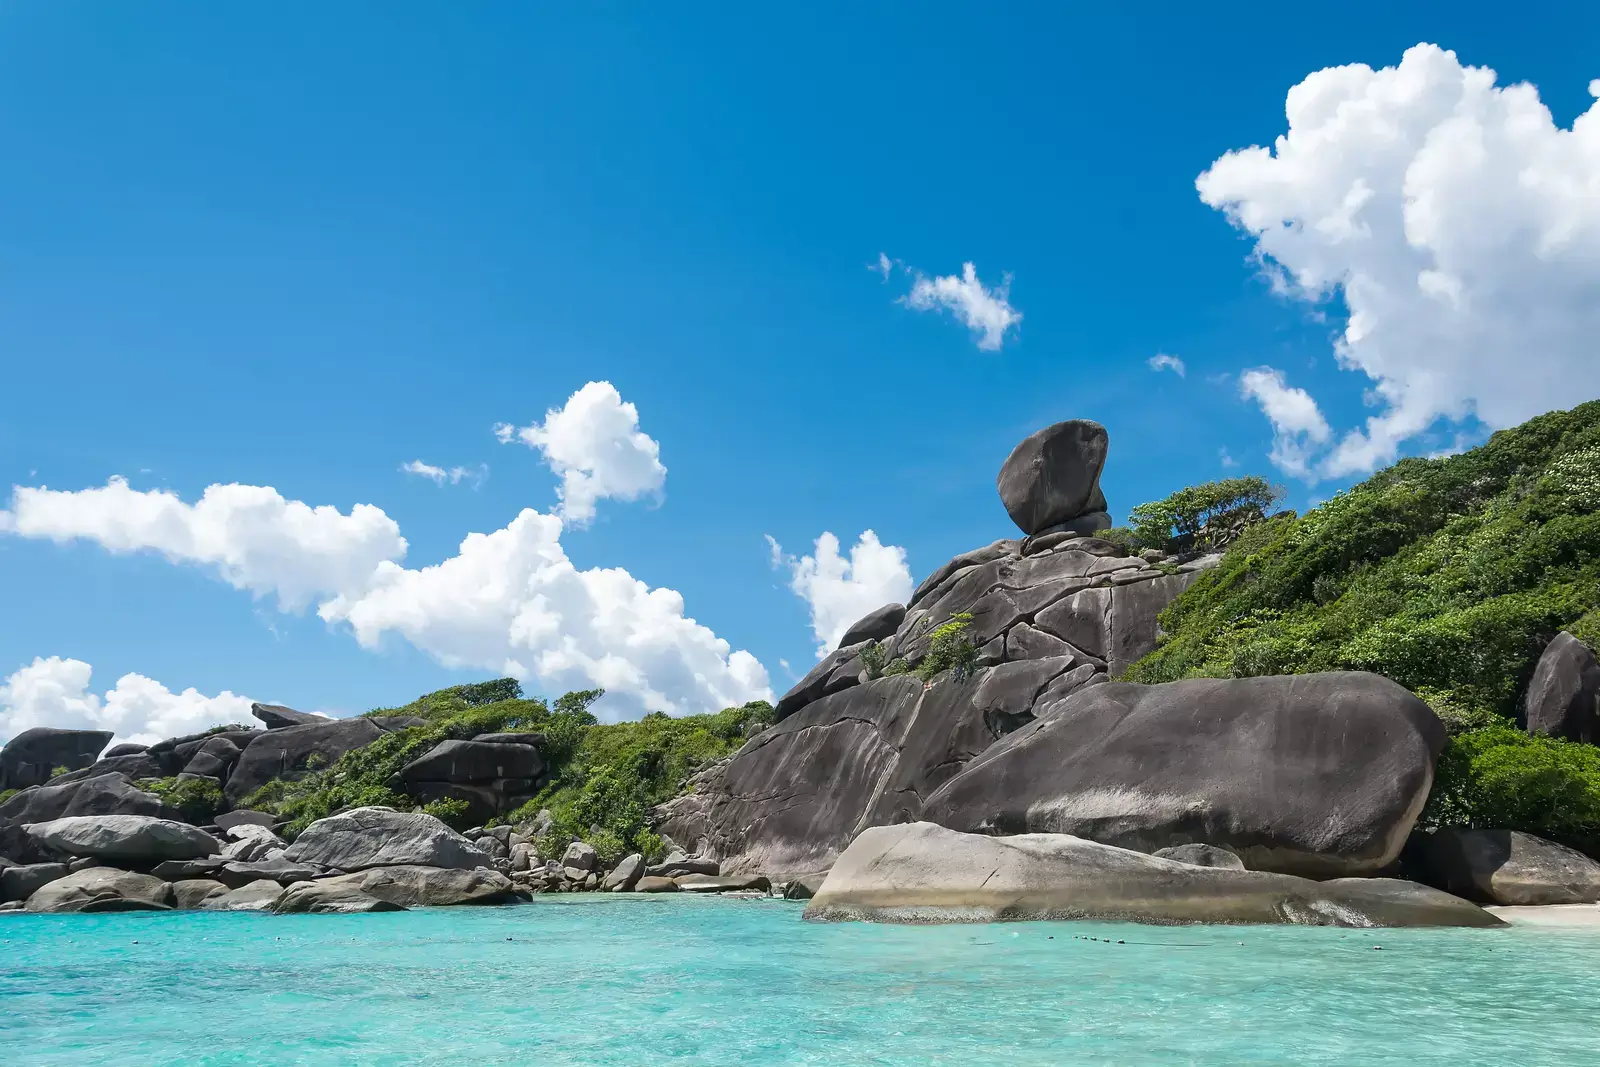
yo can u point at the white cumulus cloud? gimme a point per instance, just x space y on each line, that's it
839 590
440 475
1298 426
594 445
509 601
985 310
250 535
1457 222
55 692
1161 361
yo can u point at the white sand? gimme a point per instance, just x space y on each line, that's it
1551 915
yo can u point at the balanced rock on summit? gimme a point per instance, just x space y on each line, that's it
1053 476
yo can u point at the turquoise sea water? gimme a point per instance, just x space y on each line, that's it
601 980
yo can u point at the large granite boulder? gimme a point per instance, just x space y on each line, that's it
1564 696
330 896
1201 856
33 755
126 748
1504 867
258 895
103 889
107 794
378 837
215 758
797 793
625 875
278 717
428 887
1321 775
21 881
1054 475
875 625
191 893
493 777
132 838
920 872
286 752
234 873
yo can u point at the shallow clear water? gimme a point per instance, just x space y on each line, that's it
601 980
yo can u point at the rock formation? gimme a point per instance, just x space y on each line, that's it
491 776
31 757
380 837
1320 775
1503 867
925 873
1051 481
1564 696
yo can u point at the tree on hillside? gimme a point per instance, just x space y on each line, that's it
1203 516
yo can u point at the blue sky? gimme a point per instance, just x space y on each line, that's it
239 247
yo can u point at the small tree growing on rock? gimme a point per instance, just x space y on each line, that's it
1204 517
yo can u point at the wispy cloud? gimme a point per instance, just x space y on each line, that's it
1161 361
454 475
1299 430
985 310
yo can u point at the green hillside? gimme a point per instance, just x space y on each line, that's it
1448 575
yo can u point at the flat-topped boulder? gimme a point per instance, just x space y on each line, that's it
31 757
378 837
1504 867
919 873
1053 476
1321 775
419 887
1563 697
135 838
330 896
103 889
278 717
258 895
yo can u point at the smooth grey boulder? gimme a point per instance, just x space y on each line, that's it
29 758
187 870
248 842
284 752
1321 775
377 837
133 766
19 882
192 893
796 794
325 897
135 838
125 749
103 889
920 873
1086 525
837 670
711 883
474 761
624 875
214 759
878 625
229 819
1054 475
259 895
534 739
278 717
581 856
1201 856
805 886
653 884
235 874
677 864
434 887
1564 696
1504 867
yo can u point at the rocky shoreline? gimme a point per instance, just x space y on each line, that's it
967 756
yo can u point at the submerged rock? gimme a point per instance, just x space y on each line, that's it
103 889
1319 774
1504 867
920 872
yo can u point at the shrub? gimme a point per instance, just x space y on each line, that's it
450 811
1203 516
7 794
875 658
198 800
949 649
1501 778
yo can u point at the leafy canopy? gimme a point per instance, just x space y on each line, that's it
1193 517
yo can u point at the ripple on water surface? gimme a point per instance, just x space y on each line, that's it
603 980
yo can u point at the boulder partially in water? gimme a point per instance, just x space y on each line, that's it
103 889
417 887
921 873
1504 867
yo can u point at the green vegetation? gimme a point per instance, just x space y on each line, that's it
875 658
603 779
198 799
1201 517
949 649
7 794
1447 575
1501 778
